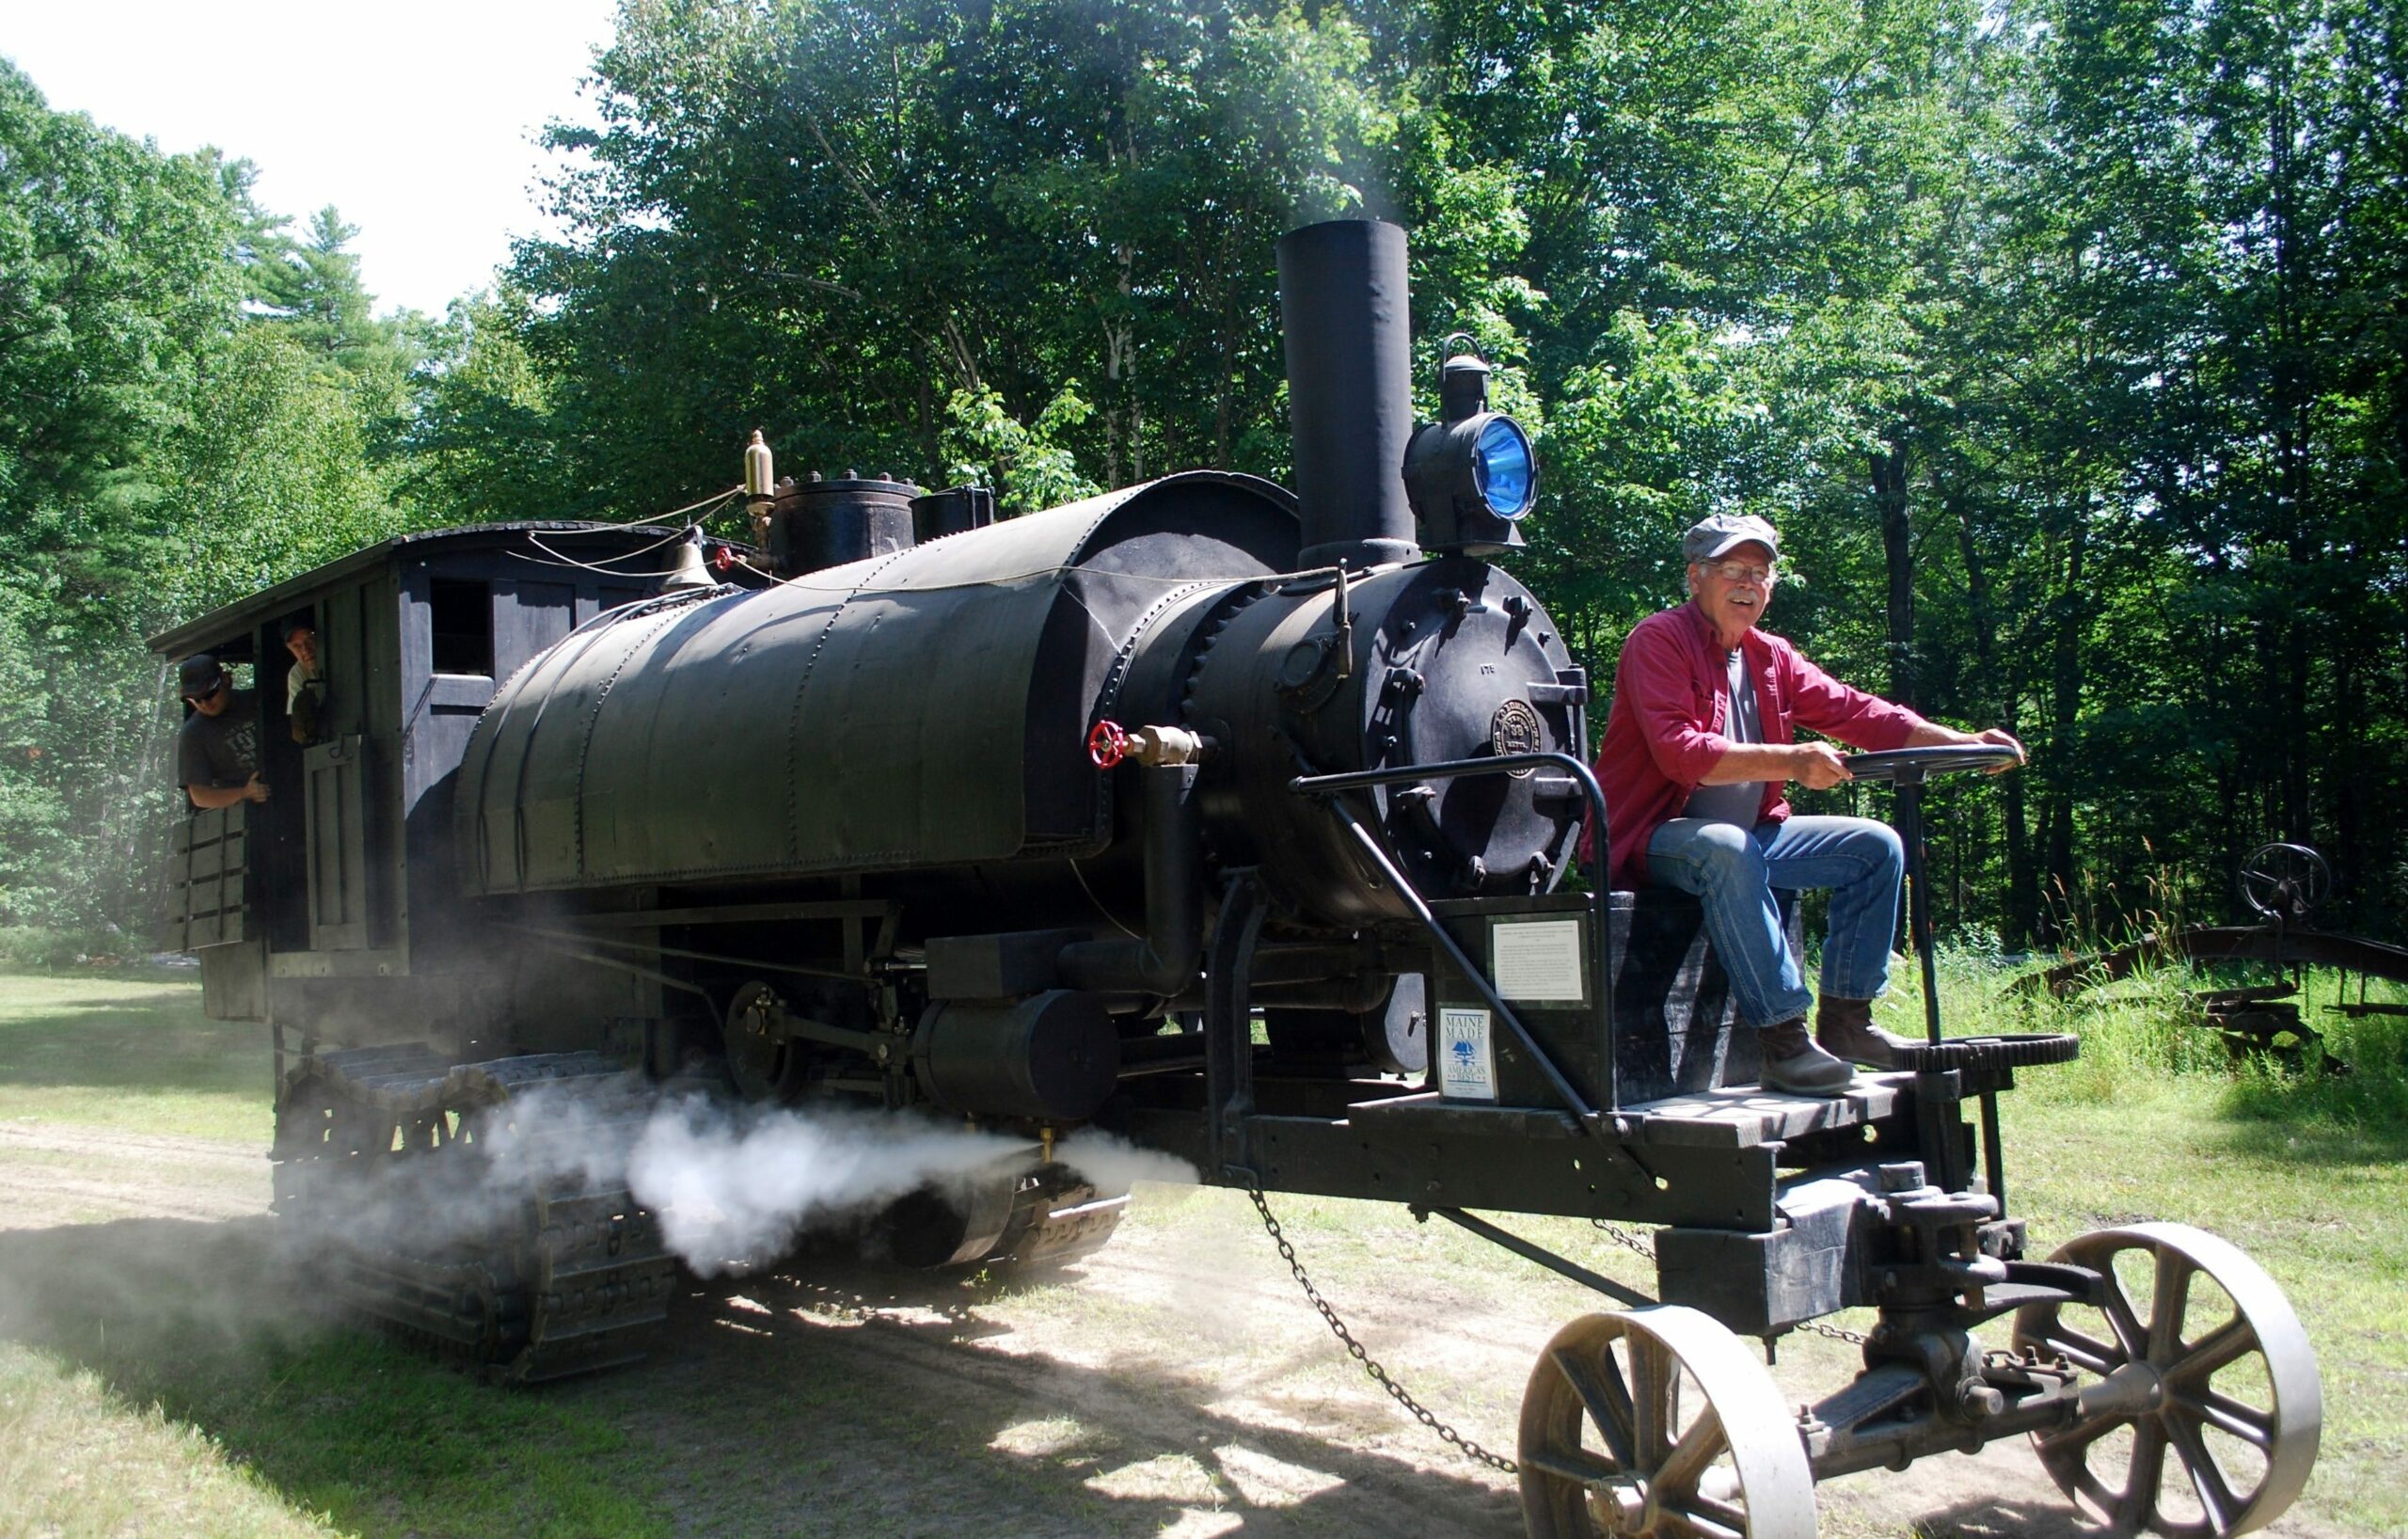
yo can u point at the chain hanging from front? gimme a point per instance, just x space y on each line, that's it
1355 1349
1627 1238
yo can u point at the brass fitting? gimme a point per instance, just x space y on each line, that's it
1154 747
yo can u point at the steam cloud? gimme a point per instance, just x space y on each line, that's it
734 1186
1115 1164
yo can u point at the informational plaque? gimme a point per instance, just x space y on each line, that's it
1537 959
1465 1067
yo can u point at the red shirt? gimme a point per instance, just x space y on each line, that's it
1672 707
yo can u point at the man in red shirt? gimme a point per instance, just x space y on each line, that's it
1697 746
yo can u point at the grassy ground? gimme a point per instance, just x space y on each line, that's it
130 1050
153 1380
2306 1173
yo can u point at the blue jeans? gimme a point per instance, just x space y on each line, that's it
1736 873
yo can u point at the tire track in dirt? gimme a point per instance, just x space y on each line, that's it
62 1173
1002 1434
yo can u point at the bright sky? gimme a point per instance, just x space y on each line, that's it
418 121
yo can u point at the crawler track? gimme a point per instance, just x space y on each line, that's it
503 1254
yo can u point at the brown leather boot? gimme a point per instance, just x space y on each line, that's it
1845 1028
1795 1066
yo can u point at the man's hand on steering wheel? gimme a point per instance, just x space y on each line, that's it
1819 766
2003 738
1935 736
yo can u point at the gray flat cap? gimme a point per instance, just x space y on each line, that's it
1710 537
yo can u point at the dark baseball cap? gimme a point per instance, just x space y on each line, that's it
1710 537
198 676
296 626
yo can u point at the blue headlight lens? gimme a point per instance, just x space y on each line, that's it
1500 468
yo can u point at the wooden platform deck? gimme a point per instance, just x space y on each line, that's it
1746 1116
1732 1119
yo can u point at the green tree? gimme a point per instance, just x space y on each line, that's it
113 259
865 228
482 445
160 453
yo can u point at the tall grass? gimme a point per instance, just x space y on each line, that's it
2137 1031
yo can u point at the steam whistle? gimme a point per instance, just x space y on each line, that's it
760 487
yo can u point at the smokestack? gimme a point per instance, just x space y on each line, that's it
1349 320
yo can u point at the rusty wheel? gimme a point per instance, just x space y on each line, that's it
1657 1422
2285 881
2199 1356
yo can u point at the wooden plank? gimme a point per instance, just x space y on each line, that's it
1744 1115
529 617
458 692
340 964
338 851
865 908
1427 1114
207 886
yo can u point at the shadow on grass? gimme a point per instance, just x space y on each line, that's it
220 1326
853 1399
2006 1518
2278 1133
140 1038
861 1402
2314 1117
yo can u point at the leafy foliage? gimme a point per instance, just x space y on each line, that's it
168 441
2063 339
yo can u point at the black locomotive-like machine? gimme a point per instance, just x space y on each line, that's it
1232 820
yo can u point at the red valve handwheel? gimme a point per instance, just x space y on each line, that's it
724 559
1107 745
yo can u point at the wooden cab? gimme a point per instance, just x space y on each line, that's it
343 873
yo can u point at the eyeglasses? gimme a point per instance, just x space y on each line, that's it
1739 571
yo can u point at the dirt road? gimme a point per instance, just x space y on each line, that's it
1175 1382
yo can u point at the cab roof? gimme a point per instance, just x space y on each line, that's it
242 615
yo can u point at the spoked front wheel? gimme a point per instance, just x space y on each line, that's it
1656 1423
2206 1419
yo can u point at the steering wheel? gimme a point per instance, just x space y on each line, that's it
1909 765
2285 881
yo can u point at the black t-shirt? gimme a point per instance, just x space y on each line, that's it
221 750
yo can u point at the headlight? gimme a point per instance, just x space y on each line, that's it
1470 475
1470 482
1501 466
